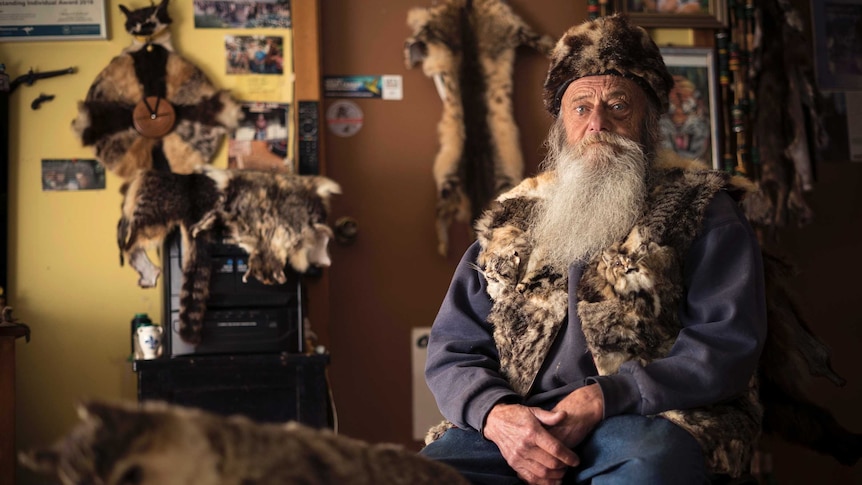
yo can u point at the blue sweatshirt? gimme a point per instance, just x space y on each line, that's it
723 315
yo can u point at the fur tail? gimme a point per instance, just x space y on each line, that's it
792 354
123 232
195 288
800 421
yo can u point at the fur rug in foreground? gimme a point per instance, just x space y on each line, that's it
278 218
160 444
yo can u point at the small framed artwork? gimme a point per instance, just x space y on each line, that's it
262 140
675 13
690 127
838 44
72 174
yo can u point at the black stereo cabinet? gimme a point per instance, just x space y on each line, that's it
265 387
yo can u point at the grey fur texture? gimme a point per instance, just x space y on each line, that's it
160 444
468 47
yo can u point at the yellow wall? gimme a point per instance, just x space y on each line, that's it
65 280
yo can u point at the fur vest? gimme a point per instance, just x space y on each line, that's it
628 296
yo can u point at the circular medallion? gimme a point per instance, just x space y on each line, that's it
344 118
154 117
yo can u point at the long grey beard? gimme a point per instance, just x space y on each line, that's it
596 198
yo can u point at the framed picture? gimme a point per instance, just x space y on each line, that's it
838 44
261 141
690 127
675 13
46 20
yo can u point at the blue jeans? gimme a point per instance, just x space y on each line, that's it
626 449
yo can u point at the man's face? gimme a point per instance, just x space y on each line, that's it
606 103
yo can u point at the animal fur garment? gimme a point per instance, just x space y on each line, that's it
160 444
788 129
628 305
149 68
277 218
468 47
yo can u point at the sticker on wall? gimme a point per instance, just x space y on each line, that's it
344 118
384 87
72 174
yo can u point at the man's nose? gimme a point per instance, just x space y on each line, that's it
598 120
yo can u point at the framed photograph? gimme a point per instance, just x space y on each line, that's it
72 174
675 13
838 44
46 20
250 14
690 127
261 141
254 54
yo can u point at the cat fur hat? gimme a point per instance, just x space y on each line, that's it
608 45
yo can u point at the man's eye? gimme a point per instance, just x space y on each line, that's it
618 106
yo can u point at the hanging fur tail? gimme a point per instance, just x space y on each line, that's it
197 271
792 354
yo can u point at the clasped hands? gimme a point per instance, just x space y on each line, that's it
537 443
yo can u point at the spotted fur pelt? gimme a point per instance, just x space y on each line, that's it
635 285
468 47
156 443
278 218
150 67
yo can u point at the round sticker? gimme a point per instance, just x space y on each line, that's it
344 118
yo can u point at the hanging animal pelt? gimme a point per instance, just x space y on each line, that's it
468 48
278 218
788 127
152 108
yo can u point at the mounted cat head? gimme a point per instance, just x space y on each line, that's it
147 22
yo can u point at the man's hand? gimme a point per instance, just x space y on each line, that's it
535 454
582 409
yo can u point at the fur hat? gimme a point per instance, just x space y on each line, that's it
607 45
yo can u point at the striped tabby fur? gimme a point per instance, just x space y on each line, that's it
159 444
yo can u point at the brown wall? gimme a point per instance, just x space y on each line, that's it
392 279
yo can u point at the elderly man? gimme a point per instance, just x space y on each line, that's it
606 325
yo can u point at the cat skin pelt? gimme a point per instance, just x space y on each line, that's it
628 301
150 67
468 48
155 443
278 218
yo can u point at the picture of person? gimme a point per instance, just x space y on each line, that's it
261 140
685 128
669 6
221 14
254 54
72 175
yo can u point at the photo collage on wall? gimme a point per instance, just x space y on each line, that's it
256 61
